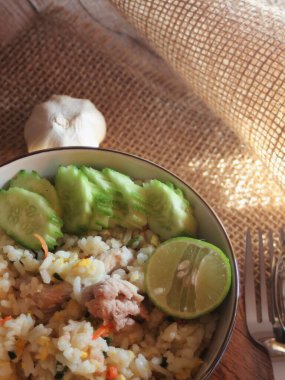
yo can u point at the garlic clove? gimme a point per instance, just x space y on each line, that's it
64 121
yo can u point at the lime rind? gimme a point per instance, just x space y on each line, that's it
166 267
226 288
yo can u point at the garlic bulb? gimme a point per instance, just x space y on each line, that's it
64 121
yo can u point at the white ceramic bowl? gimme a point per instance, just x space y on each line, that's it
210 227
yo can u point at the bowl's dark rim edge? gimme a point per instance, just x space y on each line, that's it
236 273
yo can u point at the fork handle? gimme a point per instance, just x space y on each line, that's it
278 365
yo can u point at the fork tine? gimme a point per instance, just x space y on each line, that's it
271 251
263 287
273 309
280 291
250 299
269 335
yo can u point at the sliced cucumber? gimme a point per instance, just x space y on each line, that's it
130 191
103 199
117 201
76 195
169 213
99 179
98 222
129 200
24 213
33 182
103 190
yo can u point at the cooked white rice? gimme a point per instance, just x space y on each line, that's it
59 345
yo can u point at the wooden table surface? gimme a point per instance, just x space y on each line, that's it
242 360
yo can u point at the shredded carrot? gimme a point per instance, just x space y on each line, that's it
43 244
6 319
112 372
103 331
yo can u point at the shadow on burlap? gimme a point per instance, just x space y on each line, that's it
149 113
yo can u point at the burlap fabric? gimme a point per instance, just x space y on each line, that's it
232 53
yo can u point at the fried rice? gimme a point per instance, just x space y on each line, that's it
43 341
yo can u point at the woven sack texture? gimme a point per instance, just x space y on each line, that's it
232 54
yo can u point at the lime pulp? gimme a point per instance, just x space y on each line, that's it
187 277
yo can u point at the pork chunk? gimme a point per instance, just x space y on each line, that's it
113 300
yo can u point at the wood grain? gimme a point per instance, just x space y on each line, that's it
242 360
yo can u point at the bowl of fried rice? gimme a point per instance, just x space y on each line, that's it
79 309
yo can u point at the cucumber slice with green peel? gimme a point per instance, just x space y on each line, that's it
122 213
24 213
94 226
130 198
169 213
135 220
102 220
103 191
103 199
76 195
131 192
99 179
132 219
98 222
105 210
32 181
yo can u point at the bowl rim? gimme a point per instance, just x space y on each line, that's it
235 269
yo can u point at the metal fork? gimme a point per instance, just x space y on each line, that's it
265 329
279 282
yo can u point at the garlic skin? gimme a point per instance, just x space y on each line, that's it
64 121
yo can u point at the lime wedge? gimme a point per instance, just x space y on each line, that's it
187 277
